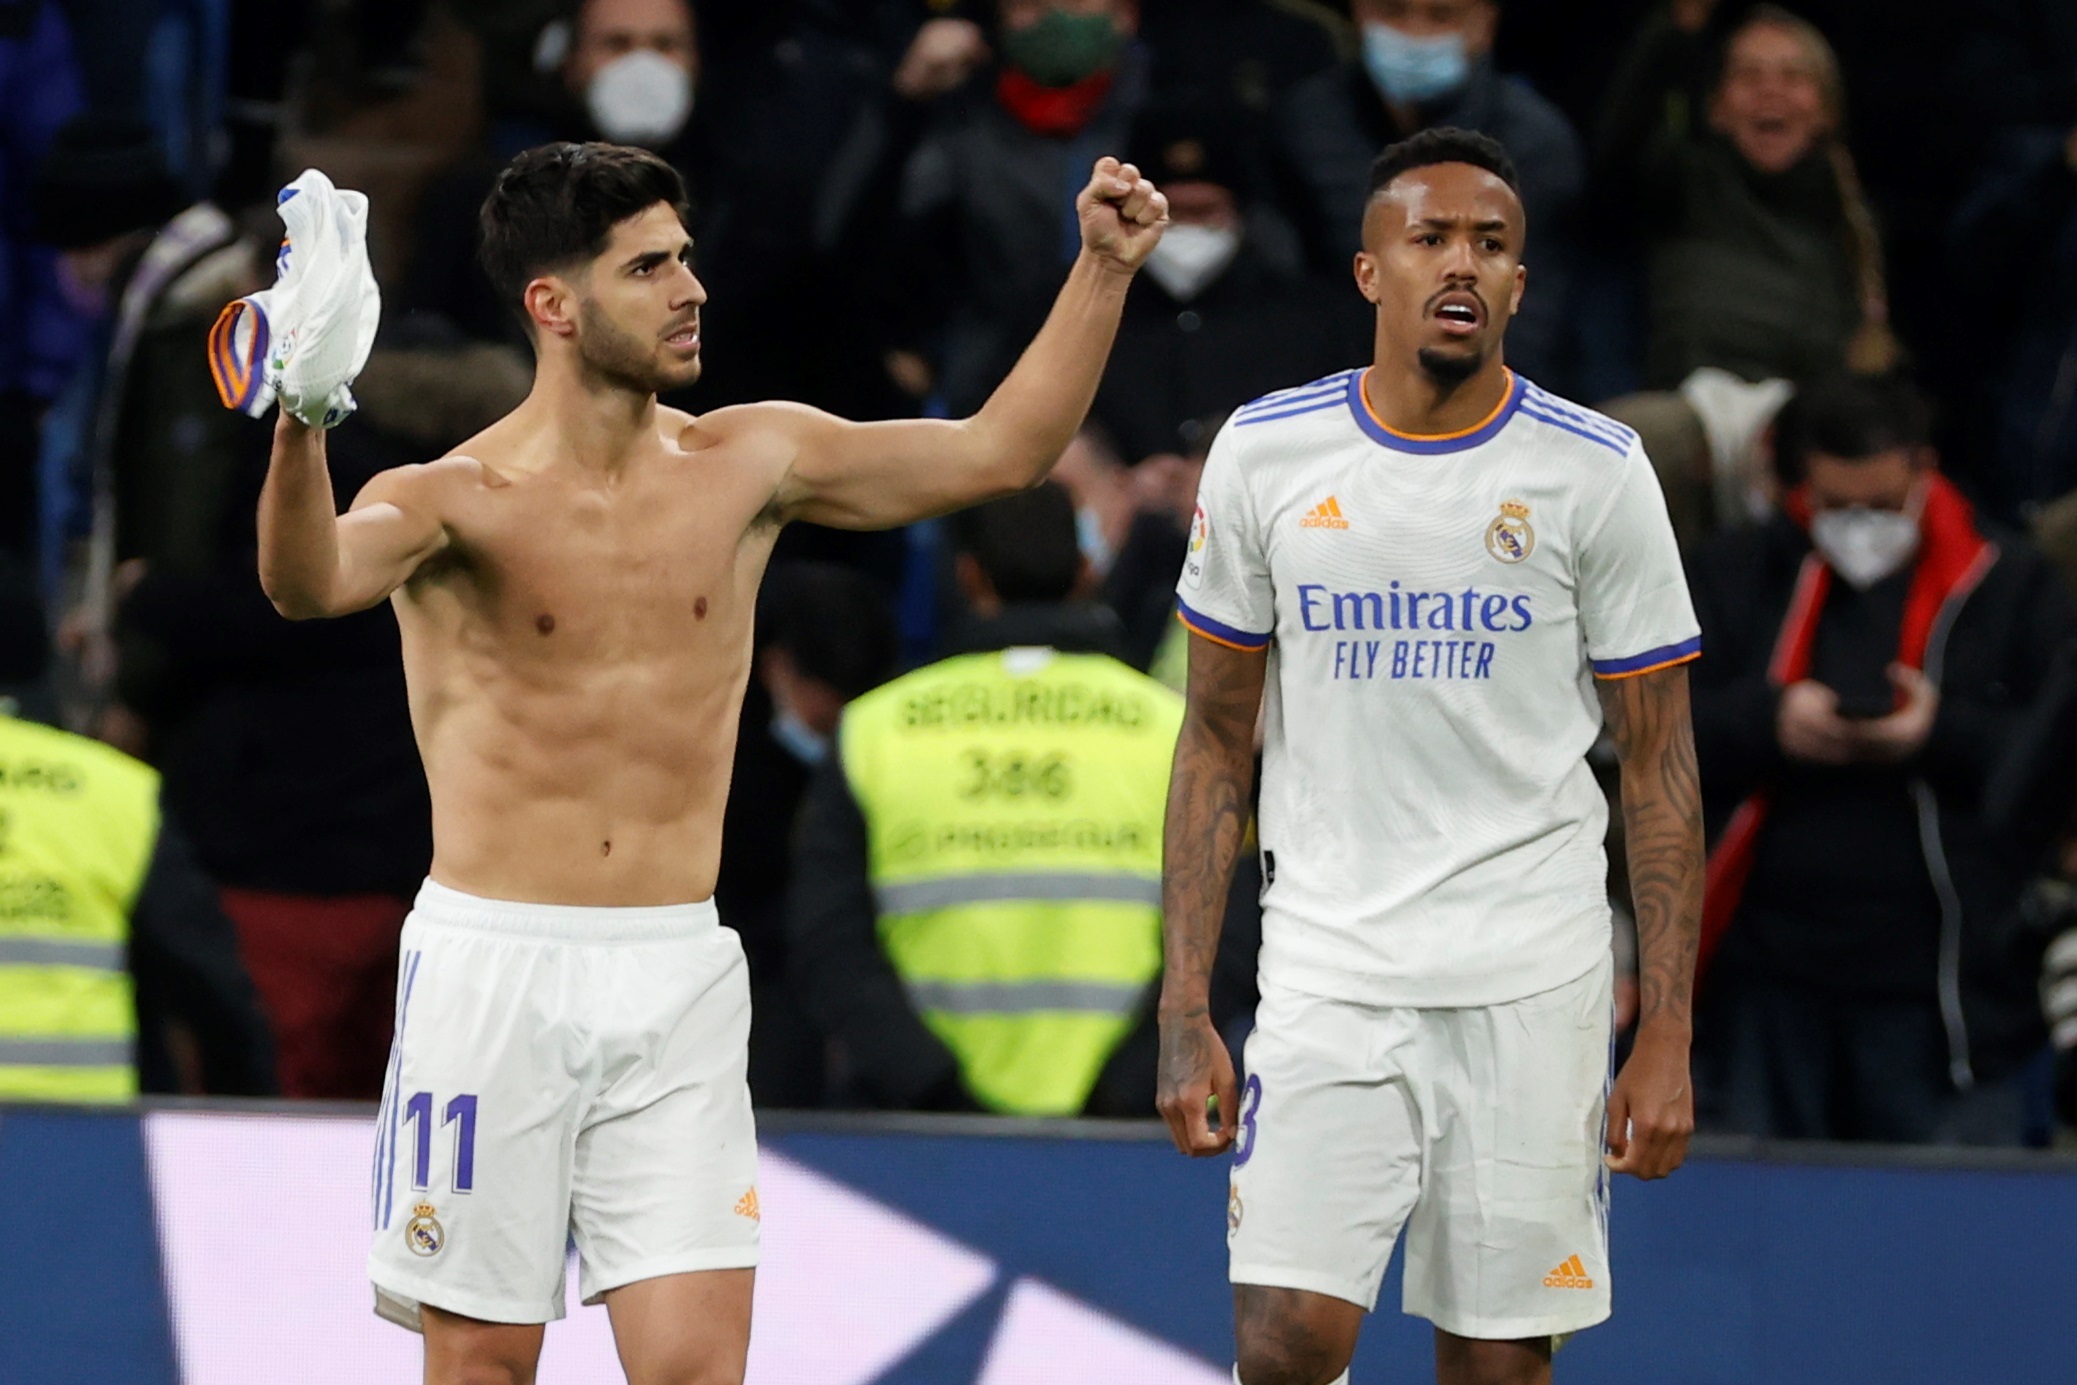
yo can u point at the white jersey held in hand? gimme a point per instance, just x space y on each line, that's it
1436 610
304 340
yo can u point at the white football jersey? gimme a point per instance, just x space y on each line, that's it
1436 609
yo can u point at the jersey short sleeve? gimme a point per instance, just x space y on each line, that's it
1633 597
1225 593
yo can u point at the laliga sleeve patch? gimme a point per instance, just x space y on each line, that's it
1193 560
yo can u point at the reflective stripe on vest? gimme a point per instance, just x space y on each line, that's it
50 952
1013 804
63 1053
918 895
78 822
1026 997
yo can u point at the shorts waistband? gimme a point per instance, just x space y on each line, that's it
578 923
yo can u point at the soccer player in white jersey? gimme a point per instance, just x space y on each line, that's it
1446 581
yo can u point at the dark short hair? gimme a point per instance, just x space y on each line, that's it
1025 543
1445 144
1849 417
835 623
555 205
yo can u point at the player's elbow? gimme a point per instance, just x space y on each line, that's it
291 608
1006 461
293 600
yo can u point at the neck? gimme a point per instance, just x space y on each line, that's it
1407 399
588 420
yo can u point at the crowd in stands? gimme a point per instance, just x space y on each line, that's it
1822 258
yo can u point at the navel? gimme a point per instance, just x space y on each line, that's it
605 848
545 624
699 609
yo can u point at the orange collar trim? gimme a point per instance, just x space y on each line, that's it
1506 398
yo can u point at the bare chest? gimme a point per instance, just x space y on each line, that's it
606 576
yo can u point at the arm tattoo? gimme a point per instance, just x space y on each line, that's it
1662 819
1207 814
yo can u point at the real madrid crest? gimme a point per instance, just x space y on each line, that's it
1233 1208
422 1233
1509 538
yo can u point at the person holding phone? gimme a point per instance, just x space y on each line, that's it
1871 649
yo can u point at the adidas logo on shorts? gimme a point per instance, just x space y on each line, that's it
1570 1275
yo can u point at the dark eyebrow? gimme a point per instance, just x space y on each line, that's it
653 258
1450 223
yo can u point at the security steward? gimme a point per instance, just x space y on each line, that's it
976 914
95 888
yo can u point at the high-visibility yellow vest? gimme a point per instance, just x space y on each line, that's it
1013 805
78 821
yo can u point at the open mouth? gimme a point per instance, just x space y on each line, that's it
1459 314
685 338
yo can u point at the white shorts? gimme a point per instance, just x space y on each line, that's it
560 1074
1480 1130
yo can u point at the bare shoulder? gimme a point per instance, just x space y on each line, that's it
774 423
765 439
425 485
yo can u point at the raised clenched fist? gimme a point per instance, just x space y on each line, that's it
1123 215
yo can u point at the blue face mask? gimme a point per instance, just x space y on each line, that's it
1411 71
801 740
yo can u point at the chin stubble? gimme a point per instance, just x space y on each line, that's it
1450 371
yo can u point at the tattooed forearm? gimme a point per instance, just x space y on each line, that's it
1207 815
1662 819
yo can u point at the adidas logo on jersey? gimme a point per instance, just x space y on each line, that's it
1325 515
746 1206
1570 1275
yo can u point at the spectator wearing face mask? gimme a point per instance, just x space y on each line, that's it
1428 63
624 71
986 206
1225 312
1873 650
825 635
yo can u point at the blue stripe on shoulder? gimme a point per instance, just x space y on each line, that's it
1615 445
1309 406
1331 384
1550 403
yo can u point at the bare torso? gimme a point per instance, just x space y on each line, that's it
576 658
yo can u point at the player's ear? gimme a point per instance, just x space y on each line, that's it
1521 286
1366 275
551 305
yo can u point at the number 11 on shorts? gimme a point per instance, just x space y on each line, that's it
418 1114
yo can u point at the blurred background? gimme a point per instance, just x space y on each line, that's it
1823 258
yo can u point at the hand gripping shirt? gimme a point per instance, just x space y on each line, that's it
1436 610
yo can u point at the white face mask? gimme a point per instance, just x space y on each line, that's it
640 98
1187 258
1864 546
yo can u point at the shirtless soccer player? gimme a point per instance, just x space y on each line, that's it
1447 580
575 587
